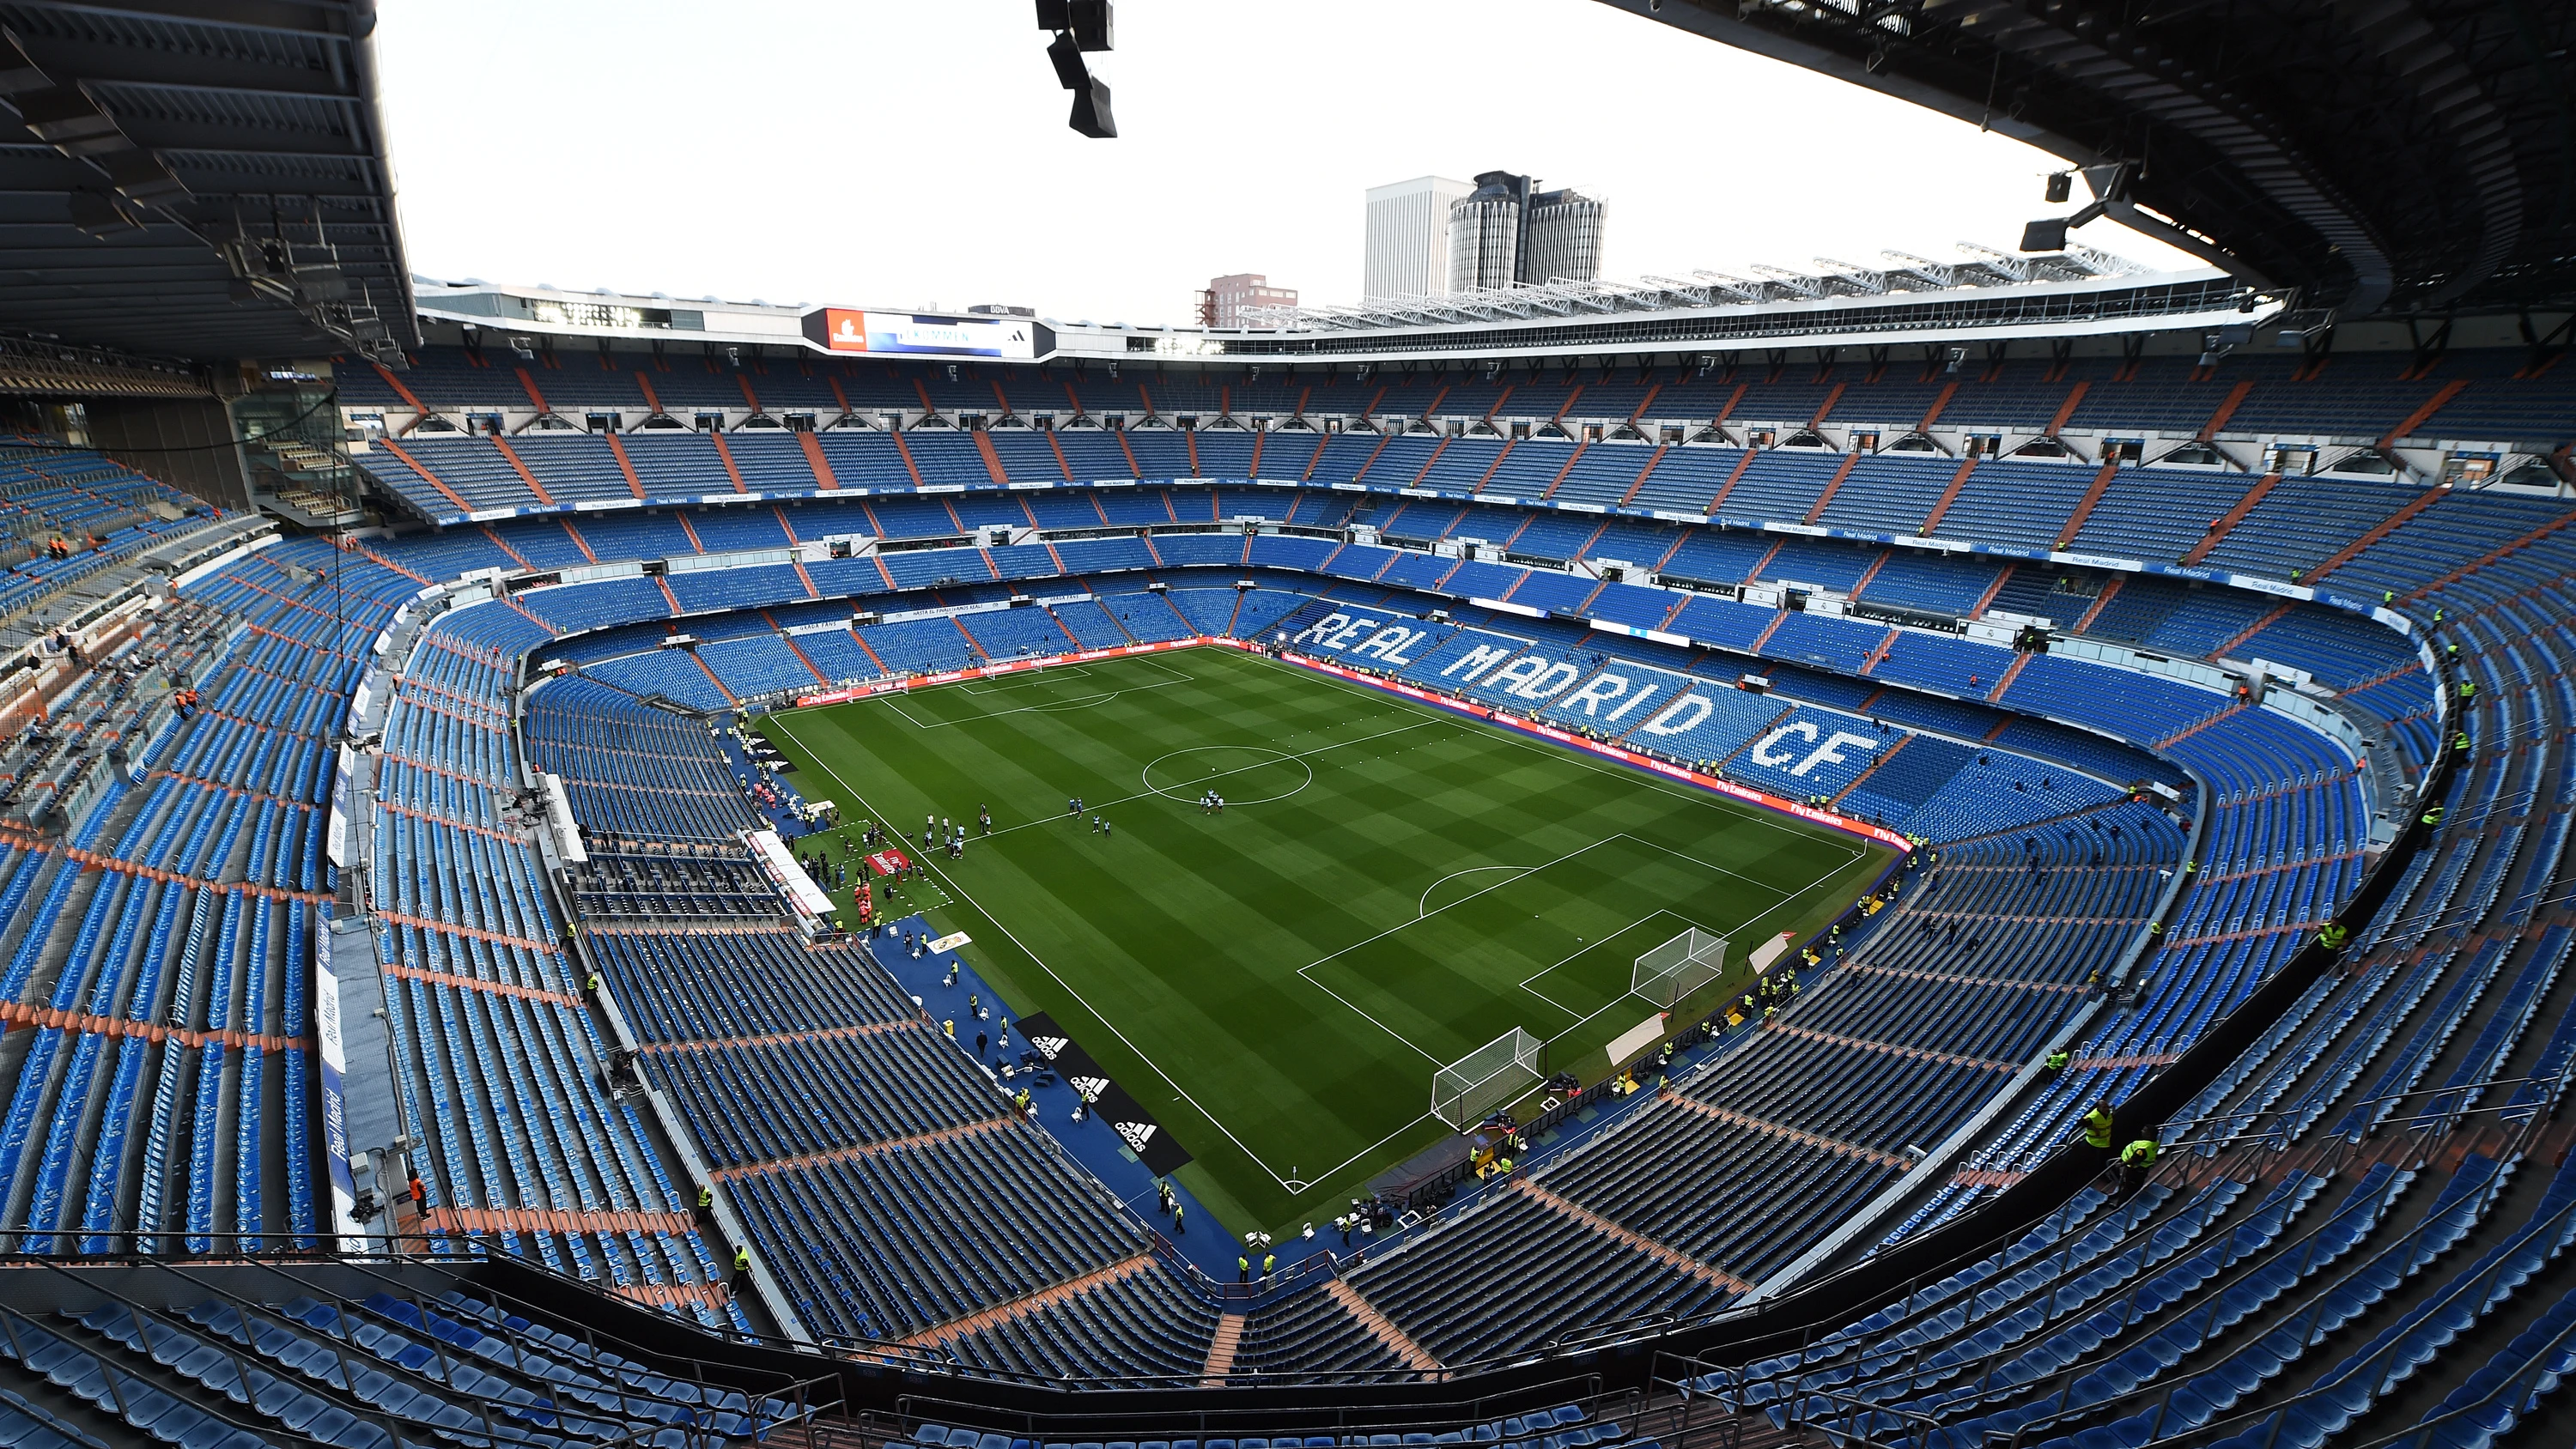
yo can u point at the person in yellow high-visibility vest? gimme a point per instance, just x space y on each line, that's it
2097 1126
2136 1161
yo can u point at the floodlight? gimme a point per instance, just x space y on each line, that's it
1091 112
2046 235
1070 72
2061 185
1092 24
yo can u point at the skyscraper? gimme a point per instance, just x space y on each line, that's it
1504 232
1485 232
1561 236
1407 248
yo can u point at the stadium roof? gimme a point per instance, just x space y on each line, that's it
198 178
2399 156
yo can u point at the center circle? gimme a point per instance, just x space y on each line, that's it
1243 774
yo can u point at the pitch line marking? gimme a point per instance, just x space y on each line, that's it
1408 1042
1299 756
1085 701
1424 907
1039 675
1749 923
961 893
1276 757
1751 814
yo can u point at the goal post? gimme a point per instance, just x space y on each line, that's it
1666 976
1468 1090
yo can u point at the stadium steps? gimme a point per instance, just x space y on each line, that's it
1958 480
2085 505
2226 522
2227 407
1220 1358
519 465
1382 1328
2100 602
1563 473
907 1142
1743 461
801 656
2378 531
417 466
2011 672
625 466
712 677
1834 484
1877 764
2493 556
1037 1302
503 545
1664 1253
2066 409
1644 473
2229 644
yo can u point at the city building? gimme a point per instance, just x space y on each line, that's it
1407 247
1224 301
1561 236
1505 232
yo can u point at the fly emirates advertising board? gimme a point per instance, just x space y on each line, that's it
849 330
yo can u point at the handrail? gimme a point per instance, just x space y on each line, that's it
2370 1370
2184 1144
2312 1307
2188 1167
2427 1432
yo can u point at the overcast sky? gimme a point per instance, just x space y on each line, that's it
914 152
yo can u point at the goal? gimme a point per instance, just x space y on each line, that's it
1668 974
1467 1090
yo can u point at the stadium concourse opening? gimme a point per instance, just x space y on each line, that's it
1387 887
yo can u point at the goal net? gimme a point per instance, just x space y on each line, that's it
1468 1090
1668 974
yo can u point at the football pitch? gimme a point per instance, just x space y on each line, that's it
1389 887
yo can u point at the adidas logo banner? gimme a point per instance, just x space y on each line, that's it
1111 1103
1143 1135
1051 1042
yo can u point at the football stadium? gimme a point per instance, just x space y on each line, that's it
1946 853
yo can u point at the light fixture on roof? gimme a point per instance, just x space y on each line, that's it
2110 184
1079 26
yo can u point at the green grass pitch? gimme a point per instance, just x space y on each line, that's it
1390 887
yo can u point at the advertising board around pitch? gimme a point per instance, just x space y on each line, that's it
1113 1104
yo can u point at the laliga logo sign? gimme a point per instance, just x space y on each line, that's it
1828 753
